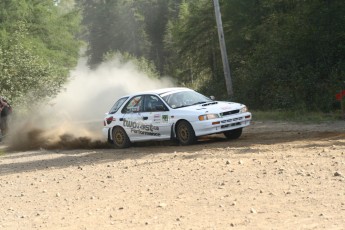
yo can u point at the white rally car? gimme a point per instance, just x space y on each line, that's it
172 113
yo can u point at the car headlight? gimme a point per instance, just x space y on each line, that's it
244 109
208 117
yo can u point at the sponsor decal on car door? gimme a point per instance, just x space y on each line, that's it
161 121
157 116
132 117
143 119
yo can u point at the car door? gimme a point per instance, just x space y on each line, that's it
156 115
132 118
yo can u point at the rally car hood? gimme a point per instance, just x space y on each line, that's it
213 107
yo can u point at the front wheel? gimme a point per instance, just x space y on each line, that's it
233 134
185 133
120 138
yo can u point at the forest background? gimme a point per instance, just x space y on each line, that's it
283 54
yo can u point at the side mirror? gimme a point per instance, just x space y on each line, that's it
212 98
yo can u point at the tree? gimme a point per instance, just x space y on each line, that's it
38 48
297 59
26 77
192 38
113 26
283 54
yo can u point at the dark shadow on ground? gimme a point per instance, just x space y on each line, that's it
78 157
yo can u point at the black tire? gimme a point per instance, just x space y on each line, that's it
233 134
185 133
120 138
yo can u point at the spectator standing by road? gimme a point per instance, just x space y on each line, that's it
5 110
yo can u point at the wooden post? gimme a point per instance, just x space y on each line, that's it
226 66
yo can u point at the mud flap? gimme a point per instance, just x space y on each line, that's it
110 140
172 132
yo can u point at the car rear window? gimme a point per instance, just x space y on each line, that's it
117 105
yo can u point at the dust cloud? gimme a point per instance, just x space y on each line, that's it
74 119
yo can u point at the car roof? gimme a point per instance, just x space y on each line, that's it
160 91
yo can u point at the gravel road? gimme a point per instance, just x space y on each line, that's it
276 176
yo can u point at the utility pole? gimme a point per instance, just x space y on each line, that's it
226 66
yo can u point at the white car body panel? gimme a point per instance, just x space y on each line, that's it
159 125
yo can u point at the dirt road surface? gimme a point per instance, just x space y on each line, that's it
276 176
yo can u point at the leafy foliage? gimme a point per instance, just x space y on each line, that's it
113 26
26 77
193 40
297 60
283 54
141 63
38 48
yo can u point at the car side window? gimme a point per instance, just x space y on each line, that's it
134 105
154 104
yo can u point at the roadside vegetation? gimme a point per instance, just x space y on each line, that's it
296 116
284 55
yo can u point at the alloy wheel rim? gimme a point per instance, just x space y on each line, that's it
119 137
183 133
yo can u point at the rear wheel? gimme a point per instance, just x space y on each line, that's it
185 133
233 134
120 138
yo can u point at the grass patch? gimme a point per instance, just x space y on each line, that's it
296 116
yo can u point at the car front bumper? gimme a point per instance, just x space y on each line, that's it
222 124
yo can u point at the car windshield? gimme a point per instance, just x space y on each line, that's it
117 105
184 98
